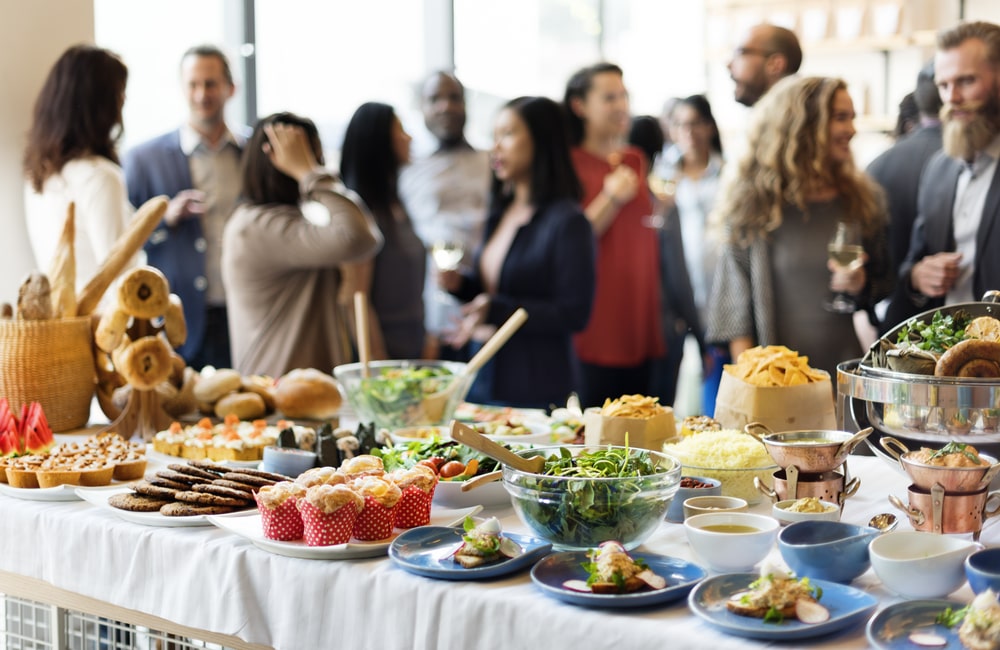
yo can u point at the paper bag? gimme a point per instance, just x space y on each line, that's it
805 407
643 433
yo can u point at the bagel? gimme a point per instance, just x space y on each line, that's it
177 369
970 358
986 328
184 402
307 393
145 363
245 406
213 386
110 329
174 324
144 293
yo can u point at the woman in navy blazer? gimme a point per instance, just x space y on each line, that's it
538 253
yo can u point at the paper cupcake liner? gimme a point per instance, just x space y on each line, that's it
414 508
375 521
283 523
326 529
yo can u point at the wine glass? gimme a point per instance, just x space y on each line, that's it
663 190
447 254
845 250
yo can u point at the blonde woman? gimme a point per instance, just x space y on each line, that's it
780 206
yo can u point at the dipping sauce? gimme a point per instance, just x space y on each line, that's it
808 504
730 528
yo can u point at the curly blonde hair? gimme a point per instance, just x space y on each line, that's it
786 161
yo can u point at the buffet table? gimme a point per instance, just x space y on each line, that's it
208 579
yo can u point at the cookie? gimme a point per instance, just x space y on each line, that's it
136 502
191 470
178 509
271 476
236 485
249 479
178 477
209 466
222 491
206 499
156 491
166 483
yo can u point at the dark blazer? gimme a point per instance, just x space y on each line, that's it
933 233
160 167
550 271
679 309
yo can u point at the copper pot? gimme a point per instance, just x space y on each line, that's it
809 451
952 479
938 511
827 486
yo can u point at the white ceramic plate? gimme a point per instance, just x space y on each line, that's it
251 528
449 494
164 460
58 493
99 497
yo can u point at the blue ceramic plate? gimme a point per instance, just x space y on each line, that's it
427 551
891 628
848 606
550 574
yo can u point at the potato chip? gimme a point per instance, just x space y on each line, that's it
774 365
632 406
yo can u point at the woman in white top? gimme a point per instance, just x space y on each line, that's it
71 157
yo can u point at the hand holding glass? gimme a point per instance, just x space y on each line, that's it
447 255
845 250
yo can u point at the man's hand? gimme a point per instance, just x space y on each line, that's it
186 204
935 275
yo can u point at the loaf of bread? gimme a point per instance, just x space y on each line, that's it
307 393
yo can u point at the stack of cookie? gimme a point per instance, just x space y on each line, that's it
199 487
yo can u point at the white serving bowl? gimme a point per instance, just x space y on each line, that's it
448 494
711 504
731 552
781 512
916 564
419 434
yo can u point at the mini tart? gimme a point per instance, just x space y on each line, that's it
97 476
48 478
3 470
22 478
130 470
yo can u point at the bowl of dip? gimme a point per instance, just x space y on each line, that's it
805 509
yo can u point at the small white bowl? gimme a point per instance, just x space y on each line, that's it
731 552
916 564
419 434
780 512
448 494
712 504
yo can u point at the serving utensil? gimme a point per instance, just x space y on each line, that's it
472 438
363 333
884 521
482 479
435 403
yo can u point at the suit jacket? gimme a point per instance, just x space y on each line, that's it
156 167
933 233
549 270
679 309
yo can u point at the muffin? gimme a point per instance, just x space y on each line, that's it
361 466
320 476
329 514
417 485
278 512
378 518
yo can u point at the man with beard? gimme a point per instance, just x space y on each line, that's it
199 161
445 194
767 55
950 260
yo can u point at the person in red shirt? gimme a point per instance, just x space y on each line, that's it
624 333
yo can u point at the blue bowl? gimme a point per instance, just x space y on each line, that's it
288 460
982 568
827 550
675 512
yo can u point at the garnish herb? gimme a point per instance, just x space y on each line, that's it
951 617
938 335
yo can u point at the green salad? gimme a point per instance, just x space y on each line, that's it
394 398
938 335
407 455
575 505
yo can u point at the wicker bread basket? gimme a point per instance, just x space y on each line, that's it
51 362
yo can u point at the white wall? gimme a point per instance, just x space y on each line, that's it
33 41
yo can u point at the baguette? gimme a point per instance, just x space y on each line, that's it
62 273
140 228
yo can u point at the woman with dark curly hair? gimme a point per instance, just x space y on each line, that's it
780 205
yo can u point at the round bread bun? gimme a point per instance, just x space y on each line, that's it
146 362
110 329
263 386
307 393
213 386
144 293
245 406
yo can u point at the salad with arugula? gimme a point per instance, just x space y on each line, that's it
393 398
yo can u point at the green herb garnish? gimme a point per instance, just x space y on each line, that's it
938 335
956 448
951 617
774 616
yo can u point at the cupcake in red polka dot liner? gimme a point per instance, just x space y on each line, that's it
329 513
417 485
378 518
278 514
320 476
361 466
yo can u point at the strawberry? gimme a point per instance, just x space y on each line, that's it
10 438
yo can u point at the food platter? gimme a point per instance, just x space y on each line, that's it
553 571
99 497
58 493
848 606
890 628
250 528
428 550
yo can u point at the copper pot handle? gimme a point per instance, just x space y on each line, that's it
848 445
770 493
852 487
751 429
893 447
987 513
915 516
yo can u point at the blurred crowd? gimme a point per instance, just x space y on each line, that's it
629 240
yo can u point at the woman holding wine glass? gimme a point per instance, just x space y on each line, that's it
780 207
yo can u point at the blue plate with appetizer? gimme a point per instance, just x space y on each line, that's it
610 577
777 606
472 552
916 623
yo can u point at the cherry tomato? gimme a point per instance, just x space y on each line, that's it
427 462
437 460
451 468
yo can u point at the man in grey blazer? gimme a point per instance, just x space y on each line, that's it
953 252
199 161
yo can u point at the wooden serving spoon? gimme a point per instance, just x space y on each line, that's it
472 438
361 326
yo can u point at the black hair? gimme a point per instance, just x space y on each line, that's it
263 183
368 162
646 134
577 87
926 94
701 106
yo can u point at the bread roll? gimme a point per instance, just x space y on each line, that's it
184 402
174 324
34 298
245 406
145 363
211 387
111 329
307 393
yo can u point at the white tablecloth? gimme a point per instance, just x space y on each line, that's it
210 579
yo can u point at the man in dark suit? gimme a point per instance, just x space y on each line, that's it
952 256
200 162
899 168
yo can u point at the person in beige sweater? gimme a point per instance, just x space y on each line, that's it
280 269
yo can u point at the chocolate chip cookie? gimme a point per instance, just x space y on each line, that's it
191 470
222 491
249 479
178 477
156 491
136 502
179 509
274 478
206 499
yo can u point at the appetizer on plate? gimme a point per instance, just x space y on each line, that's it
483 544
777 595
980 624
614 571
